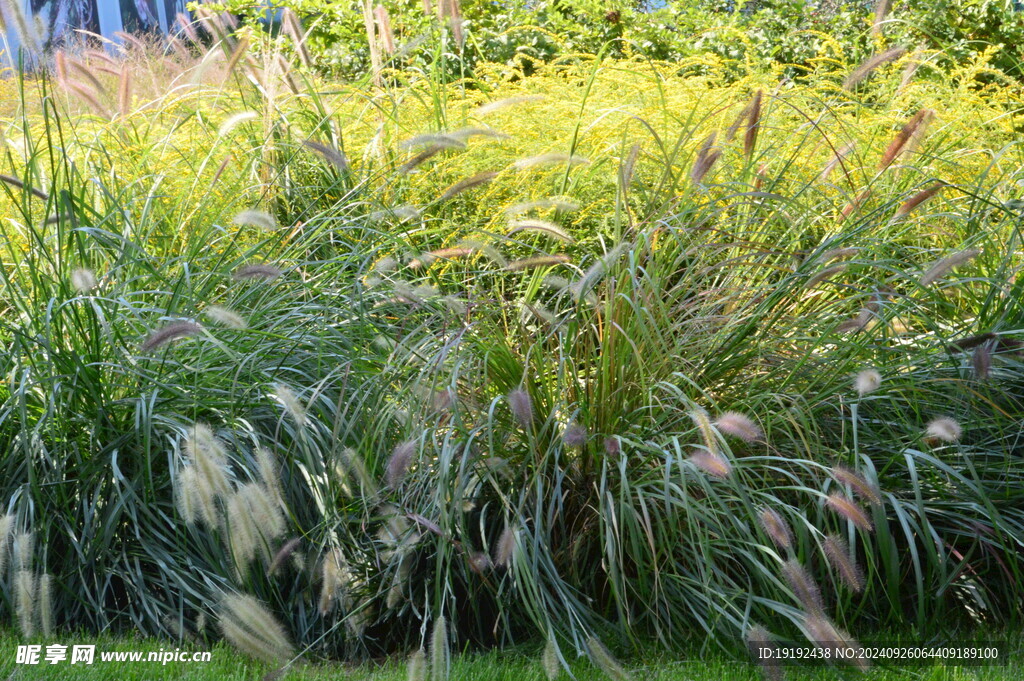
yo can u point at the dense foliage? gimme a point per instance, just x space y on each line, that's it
796 34
349 370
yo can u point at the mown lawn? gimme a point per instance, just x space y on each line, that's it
516 665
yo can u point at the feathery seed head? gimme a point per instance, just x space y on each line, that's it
24 546
943 429
839 557
468 183
440 655
942 267
168 333
83 280
6 529
417 666
738 425
848 509
549 660
703 423
267 467
758 638
46 604
283 554
186 495
25 595
251 628
574 436
918 198
864 489
399 462
981 360
776 527
243 533
604 661
550 159
329 154
538 261
826 636
711 463
256 218
291 403
803 586
226 317
521 406
560 205
543 227
256 271
870 64
867 381
506 548
479 562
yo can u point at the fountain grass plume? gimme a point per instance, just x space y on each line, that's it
399 462
868 66
24 548
942 267
981 360
225 317
329 154
543 227
839 557
469 183
848 509
826 274
256 271
803 585
907 138
776 527
539 261
417 666
6 534
739 425
440 653
753 125
758 638
552 158
25 601
294 408
505 550
711 463
521 406
604 661
845 475
83 280
703 422
255 218
282 555
243 535
168 333
549 660
706 157
943 429
46 604
825 635
917 199
249 626
867 381
574 436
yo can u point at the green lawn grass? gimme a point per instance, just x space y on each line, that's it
517 665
